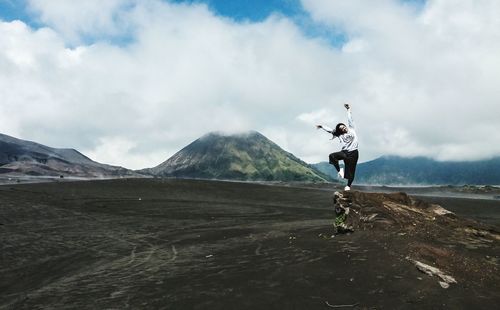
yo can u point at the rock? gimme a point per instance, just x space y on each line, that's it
437 209
444 284
368 218
342 222
433 271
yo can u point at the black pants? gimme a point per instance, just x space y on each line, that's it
350 160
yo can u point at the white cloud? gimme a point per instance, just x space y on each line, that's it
322 116
110 150
421 82
354 46
74 19
428 74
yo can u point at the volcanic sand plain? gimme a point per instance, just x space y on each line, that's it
192 244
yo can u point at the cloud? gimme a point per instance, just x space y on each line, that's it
425 75
75 20
421 81
315 117
111 150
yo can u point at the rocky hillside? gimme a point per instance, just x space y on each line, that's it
438 243
21 157
248 156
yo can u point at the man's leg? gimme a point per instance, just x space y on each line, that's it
335 157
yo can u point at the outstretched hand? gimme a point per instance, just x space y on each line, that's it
319 126
347 106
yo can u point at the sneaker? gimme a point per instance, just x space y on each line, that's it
347 188
341 173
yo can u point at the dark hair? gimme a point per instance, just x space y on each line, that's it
337 131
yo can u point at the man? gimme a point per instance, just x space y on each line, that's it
349 152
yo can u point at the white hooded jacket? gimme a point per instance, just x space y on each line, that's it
349 140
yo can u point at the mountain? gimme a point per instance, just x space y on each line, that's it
396 170
247 156
23 157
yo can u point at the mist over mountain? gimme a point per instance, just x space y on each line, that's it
396 170
244 156
21 157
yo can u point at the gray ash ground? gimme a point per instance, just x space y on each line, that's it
186 244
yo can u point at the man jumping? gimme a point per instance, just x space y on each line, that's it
349 153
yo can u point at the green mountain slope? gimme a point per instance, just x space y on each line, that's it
248 156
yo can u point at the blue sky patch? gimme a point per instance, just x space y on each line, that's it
16 10
250 10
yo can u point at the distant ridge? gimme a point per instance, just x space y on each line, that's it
245 156
396 170
21 157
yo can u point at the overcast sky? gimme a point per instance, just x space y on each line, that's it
130 82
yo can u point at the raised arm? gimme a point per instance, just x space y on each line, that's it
325 128
350 122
